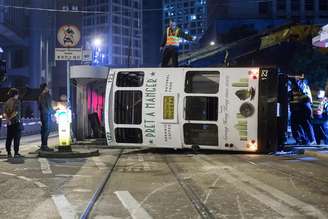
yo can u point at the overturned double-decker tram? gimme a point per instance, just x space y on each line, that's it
233 109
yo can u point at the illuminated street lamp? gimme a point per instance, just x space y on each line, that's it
212 43
97 42
98 56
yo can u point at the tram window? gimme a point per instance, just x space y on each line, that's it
201 134
130 79
202 108
128 135
128 107
206 82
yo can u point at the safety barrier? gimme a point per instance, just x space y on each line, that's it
32 126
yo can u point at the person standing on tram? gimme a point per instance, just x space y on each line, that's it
170 44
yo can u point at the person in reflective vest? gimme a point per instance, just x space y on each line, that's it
170 44
301 112
320 117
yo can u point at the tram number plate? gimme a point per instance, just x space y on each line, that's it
168 107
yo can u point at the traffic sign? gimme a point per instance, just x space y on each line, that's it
87 55
68 36
68 54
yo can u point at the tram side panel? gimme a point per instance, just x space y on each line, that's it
161 107
268 110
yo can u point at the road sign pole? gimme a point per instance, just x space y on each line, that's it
68 84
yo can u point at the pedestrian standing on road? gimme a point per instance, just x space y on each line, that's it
301 112
46 110
170 44
12 112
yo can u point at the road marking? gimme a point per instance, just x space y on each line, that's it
82 190
146 166
211 190
240 209
99 163
140 158
45 167
251 162
132 205
25 178
69 175
8 174
106 217
40 185
65 209
283 203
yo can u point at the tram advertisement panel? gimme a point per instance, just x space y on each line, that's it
238 109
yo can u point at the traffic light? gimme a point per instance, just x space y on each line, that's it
3 70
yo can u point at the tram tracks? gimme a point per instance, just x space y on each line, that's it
199 205
100 188
279 201
291 172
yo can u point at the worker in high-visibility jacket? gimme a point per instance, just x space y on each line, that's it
170 44
320 117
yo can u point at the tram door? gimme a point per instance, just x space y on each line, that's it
200 108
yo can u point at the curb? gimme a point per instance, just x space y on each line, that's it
319 153
73 154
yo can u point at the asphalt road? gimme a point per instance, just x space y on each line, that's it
164 184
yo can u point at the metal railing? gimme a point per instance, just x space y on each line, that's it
32 126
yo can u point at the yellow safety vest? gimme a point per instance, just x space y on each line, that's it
172 37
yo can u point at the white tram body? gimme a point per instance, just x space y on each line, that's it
211 108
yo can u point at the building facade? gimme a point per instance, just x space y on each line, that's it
118 25
152 32
266 14
191 15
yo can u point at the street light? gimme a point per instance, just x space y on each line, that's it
98 56
212 43
97 42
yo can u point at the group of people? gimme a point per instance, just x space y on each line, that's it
12 114
309 117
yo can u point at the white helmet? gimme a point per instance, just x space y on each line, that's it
321 94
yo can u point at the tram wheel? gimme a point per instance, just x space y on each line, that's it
195 148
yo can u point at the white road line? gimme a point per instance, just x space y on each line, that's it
82 190
283 203
140 158
146 166
8 174
65 209
99 163
45 167
211 190
252 163
25 178
69 175
40 185
132 205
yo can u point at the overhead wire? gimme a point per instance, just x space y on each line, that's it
104 12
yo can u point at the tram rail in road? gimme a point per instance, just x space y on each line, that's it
196 201
100 189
